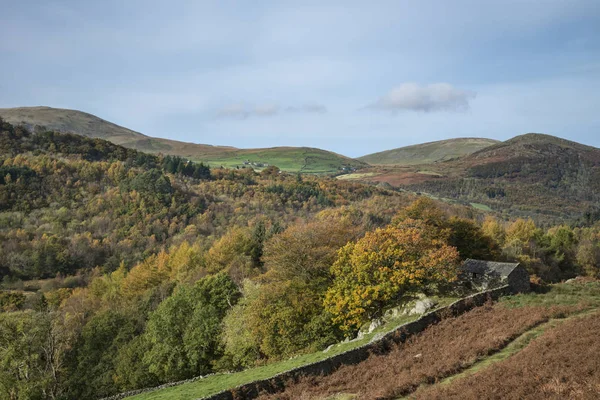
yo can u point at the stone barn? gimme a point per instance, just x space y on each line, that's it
490 274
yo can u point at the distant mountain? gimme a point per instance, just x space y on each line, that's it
427 153
293 159
82 123
63 120
531 174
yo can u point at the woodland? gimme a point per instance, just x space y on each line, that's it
121 270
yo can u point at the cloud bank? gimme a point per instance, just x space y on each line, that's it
245 111
429 98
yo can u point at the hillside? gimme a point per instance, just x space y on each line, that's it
427 153
63 120
452 354
142 269
291 159
531 175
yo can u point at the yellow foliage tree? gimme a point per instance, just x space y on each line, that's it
386 264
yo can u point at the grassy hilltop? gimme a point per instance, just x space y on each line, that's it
427 153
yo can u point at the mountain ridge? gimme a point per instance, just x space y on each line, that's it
429 152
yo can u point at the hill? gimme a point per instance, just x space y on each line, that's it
532 175
49 175
427 153
291 159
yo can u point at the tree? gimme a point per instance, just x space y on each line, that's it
183 333
101 338
492 228
377 270
233 253
25 371
588 252
271 171
306 251
470 240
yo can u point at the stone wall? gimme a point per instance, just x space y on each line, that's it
350 357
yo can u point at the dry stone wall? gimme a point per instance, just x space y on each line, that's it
327 366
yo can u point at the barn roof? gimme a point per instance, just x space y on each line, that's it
489 267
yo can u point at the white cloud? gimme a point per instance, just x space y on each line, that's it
430 98
244 111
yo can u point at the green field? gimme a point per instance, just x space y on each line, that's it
289 159
481 207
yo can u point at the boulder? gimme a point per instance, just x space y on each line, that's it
422 306
374 325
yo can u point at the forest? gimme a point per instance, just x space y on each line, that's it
122 270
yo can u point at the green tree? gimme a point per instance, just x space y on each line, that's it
183 333
470 240
25 372
94 368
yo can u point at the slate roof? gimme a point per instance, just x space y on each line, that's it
491 268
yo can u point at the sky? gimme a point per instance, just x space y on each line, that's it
354 77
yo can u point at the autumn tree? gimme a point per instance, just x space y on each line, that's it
377 270
285 314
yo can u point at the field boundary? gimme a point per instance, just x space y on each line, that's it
399 334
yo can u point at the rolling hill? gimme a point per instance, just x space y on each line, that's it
291 159
529 175
427 153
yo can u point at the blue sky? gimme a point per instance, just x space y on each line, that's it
349 76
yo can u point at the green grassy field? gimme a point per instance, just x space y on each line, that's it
289 159
219 382
481 207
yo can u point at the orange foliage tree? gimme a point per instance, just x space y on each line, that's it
386 264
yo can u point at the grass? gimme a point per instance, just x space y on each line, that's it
289 159
562 294
481 207
216 383
428 153
357 175
432 173
514 347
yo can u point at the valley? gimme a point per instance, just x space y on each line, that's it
184 270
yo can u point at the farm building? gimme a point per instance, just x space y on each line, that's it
488 274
